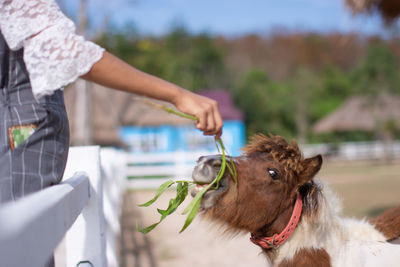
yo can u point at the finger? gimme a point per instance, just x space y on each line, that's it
202 123
211 123
218 135
208 133
219 123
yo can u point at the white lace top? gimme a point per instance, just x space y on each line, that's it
54 55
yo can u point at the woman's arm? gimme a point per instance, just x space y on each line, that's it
41 27
112 72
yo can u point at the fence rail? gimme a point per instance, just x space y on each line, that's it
373 150
31 228
76 210
151 169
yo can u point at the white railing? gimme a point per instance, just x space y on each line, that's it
151 169
373 150
31 228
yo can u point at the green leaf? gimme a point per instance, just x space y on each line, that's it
191 216
183 186
147 229
181 193
223 164
160 190
197 198
193 207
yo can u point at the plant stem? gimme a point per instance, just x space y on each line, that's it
194 205
167 109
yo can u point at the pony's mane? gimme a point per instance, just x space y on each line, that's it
311 194
287 154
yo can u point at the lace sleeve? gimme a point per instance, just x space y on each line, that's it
54 55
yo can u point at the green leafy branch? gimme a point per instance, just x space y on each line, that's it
182 187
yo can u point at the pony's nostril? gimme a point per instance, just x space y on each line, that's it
201 159
207 168
216 163
205 171
214 160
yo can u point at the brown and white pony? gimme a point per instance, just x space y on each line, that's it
293 217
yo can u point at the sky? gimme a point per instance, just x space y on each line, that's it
228 17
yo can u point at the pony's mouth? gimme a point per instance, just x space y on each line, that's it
198 188
203 174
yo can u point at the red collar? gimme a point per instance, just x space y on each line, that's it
278 239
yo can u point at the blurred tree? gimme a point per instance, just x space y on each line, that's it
194 62
305 83
267 105
334 87
282 53
378 71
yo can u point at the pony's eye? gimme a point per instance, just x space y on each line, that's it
273 174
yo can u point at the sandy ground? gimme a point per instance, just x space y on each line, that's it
200 245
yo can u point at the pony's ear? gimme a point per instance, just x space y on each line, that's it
310 168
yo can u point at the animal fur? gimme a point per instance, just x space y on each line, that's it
348 242
388 223
262 206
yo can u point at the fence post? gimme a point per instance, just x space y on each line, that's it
85 241
113 166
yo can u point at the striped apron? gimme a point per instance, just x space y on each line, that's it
34 134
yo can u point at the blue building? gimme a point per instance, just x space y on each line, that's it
148 130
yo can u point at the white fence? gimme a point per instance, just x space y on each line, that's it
151 169
355 150
31 228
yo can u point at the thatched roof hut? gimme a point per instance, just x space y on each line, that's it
364 113
389 9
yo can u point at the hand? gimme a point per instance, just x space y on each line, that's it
205 109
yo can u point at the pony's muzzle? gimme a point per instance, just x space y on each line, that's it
206 169
204 173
